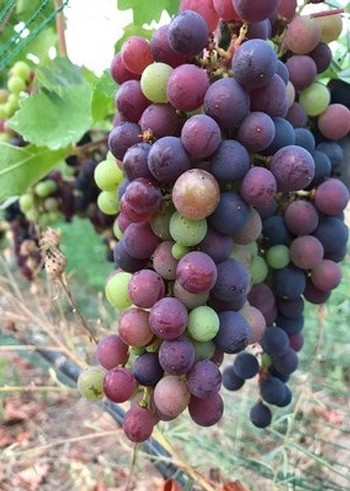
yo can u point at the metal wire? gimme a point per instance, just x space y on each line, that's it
26 32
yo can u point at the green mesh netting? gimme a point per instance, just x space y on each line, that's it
21 22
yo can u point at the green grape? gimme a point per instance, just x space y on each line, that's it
179 251
253 248
266 360
55 216
16 84
26 202
107 202
116 230
4 111
242 254
51 204
108 175
258 270
44 219
116 290
110 156
203 323
187 232
4 137
315 99
90 383
203 350
154 81
277 256
160 221
44 188
13 102
21 69
3 96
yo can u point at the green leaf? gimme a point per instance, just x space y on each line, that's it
21 167
59 74
344 75
146 12
103 97
55 121
41 44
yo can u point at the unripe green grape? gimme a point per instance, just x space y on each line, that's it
13 102
118 234
21 69
55 216
44 220
16 84
154 81
187 232
266 360
179 251
278 256
3 95
258 270
90 383
203 351
108 175
5 111
315 99
203 323
26 202
45 188
116 290
107 201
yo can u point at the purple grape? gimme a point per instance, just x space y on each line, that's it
187 87
227 102
246 365
176 356
161 120
196 272
168 159
231 214
201 136
123 136
161 49
258 186
206 412
254 63
255 12
130 101
256 132
234 332
147 369
260 415
230 162
188 33
135 162
302 71
230 379
111 351
168 318
145 288
286 363
275 341
293 168
273 390
270 99
204 379
218 246
232 280
289 282
119 384
138 423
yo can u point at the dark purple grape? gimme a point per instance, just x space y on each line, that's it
273 390
275 341
234 332
218 246
256 131
286 363
204 379
161 49
290 325
302 71
168 159
258 186
301 217
147 369
297 115
232 280
322 56
255 12
230 379
161 120
289 282
275 231
206 412
231 214
254 63
291 308
176 356
135 163
130 101
304 138
139 240
123 136
271 98
125 261
230 162
246 365
293 168
260 415
227 102
188 33
145 288
284 135
196 272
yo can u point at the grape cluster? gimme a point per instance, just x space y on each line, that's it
228 215
19 80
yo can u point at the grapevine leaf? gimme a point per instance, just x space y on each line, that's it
55 121
344 75
146 12
41 44
21 167
103 97
59 74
